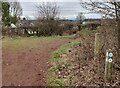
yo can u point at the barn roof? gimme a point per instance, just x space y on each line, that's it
25 23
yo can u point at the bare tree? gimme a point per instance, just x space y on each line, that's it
48 10
81 18
15 8
110 8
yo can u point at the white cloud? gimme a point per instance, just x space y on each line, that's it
61 0
67 9
45 0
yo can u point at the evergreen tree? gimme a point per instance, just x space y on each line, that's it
5 13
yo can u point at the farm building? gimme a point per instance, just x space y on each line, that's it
27 26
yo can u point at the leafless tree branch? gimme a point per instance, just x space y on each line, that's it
15 8
48 10
105 8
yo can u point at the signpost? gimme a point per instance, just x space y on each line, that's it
99 63
108 65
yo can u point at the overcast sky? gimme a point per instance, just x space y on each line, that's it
68 8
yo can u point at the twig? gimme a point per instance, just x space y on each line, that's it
115 83
116 66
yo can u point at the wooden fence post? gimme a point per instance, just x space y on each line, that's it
98 46
98 61
108 65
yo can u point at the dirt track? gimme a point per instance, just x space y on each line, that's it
28 66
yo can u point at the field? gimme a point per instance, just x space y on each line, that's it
57 61
26 60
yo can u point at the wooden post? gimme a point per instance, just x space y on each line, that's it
108 65
98 61
98 46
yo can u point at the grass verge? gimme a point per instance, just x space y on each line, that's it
19 42
56 60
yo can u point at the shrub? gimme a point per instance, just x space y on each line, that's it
51 27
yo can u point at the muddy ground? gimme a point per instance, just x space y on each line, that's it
27 65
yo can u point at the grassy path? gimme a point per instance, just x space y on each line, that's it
26 60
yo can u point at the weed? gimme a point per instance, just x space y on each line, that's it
56 61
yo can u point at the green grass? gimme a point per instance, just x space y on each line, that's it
62 50
53 79
19 43
22 42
